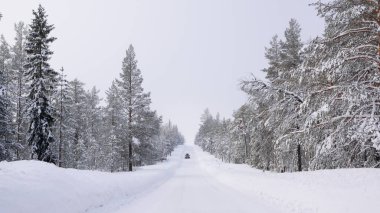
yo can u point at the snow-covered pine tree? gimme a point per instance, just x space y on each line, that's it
223 148
93 117
344 116
136 101
284 56
169 137
41 79
221 138
242 125
76 125
147 126
273 54
204 136
5 64
321 106
62 101
5 117
277 103
113 129
261 131
19 89
290 56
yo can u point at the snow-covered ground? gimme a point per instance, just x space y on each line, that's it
325 191
33 186
196 185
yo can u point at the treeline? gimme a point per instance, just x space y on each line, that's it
319 106
46 117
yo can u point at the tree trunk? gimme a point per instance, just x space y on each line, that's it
18 119
130 151
60 124
299 162
378 23
130 138
246 148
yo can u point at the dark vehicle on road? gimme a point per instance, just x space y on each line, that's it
187 156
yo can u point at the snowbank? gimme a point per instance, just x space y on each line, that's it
33 186
335 191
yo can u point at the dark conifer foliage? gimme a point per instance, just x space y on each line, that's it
42 80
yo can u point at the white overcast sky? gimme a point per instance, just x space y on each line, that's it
192 53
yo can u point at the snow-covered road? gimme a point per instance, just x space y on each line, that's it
200 184
191 189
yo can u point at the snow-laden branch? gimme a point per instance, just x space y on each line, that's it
369 22
249 86
351 31
367 46
350 117
366 57
289 134
325 89
374 2
343 86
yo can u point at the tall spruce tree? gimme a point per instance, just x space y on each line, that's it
42 80
135 99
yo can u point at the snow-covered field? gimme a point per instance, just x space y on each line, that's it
199 184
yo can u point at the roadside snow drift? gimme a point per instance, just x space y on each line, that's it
38 187
325 191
